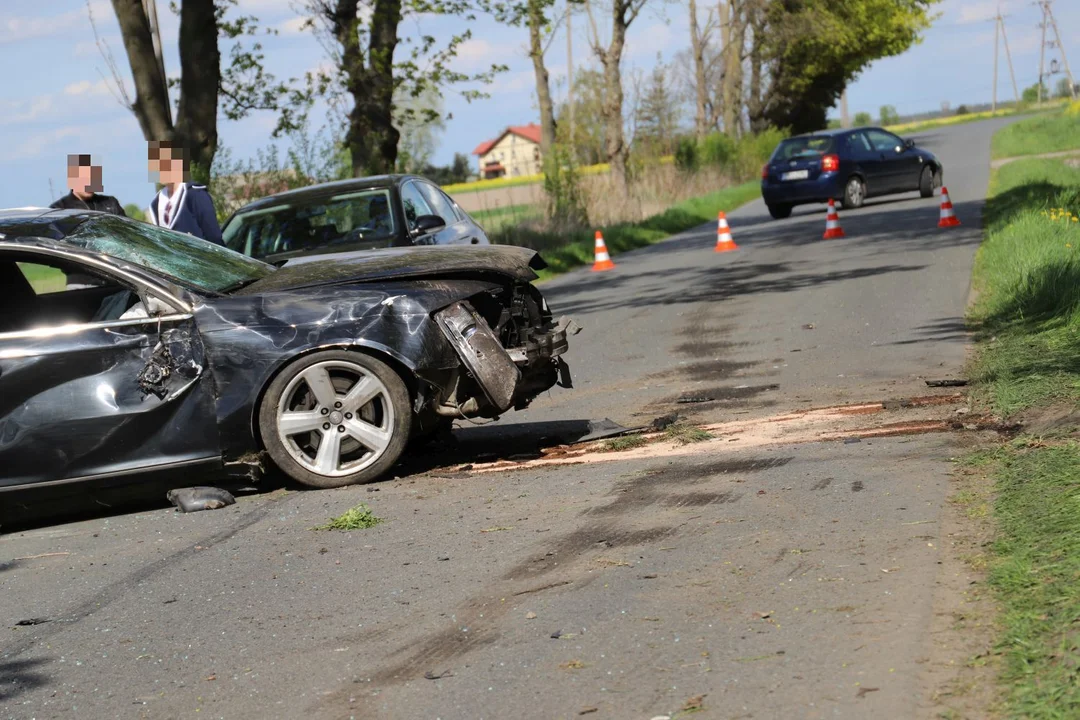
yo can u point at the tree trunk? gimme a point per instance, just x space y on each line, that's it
200 77
151 104
755 102
371 138
732 34
701 90
536 21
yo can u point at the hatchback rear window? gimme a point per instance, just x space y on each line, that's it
797 148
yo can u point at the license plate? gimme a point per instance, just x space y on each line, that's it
795 175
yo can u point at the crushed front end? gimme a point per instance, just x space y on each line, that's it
511 351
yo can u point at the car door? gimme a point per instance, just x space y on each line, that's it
90 386
900 166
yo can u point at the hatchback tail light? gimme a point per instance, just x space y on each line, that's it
830 163
765 172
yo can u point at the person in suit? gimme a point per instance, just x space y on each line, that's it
180 205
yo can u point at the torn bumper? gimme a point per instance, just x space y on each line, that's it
508 377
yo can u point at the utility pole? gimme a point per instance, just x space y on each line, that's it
845 119
1042 51
997 28
570 75
1048 11
1008 58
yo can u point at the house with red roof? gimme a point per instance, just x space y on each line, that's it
515 152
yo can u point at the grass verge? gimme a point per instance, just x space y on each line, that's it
1046 133
1027 274
566 251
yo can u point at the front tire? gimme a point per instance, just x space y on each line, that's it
854 194
335 418
779 212
926 182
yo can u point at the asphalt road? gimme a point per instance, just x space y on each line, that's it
776 579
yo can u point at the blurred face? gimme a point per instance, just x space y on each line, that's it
167 166
82 177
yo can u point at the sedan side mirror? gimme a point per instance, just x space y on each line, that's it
427 223
909 144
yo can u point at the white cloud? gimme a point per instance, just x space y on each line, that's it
477 54
15 28
87 88
975 12
512 82
293 26
650 40
36 144
15 112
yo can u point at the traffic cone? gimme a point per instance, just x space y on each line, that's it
832 223
603 260
724 241
948 216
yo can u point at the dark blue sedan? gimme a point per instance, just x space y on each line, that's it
845 165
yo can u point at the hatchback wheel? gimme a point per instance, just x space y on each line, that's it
779 212
335 418
854 193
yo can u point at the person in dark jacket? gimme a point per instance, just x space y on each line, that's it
85 186
84 183
180 205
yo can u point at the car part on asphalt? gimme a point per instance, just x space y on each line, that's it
194 499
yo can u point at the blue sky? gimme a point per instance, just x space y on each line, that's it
55 99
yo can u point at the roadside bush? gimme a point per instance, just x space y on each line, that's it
962 110
686 155
717 149
862 119
753 151
565 200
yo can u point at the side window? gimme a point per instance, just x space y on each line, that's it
48 293
413 203
883 141
858 143
439 203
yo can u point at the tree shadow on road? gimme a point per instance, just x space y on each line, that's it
20 676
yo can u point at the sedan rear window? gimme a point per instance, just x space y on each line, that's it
361 219
798 148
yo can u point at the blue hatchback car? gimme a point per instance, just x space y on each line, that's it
845 165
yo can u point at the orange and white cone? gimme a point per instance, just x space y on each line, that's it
603 260
832 223
724 241
948 215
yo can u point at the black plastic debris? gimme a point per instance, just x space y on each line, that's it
193 499
664 421
946 383
606 428
437 676
692 399
32 621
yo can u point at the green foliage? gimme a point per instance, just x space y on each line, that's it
718 149
1062 89
458 171
863 119
816 47
888 115
657 116
588 140
1031 93
1047 133
135 212
962 110
562 184
356 518
687 156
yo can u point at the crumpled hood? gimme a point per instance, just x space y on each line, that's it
399 263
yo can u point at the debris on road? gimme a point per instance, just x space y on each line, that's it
429 675
530 615
852 440
693 399
664 421
194 499
863 691
32 621
602 429
572 665
695 703
808 326
41 555
355 518
499 528
946 383
588 711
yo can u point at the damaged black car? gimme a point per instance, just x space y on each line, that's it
127 349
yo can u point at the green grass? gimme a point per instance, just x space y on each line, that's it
356 518
627 442
43 279
1027 274
566 251
686 434
1052 132
1037 578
